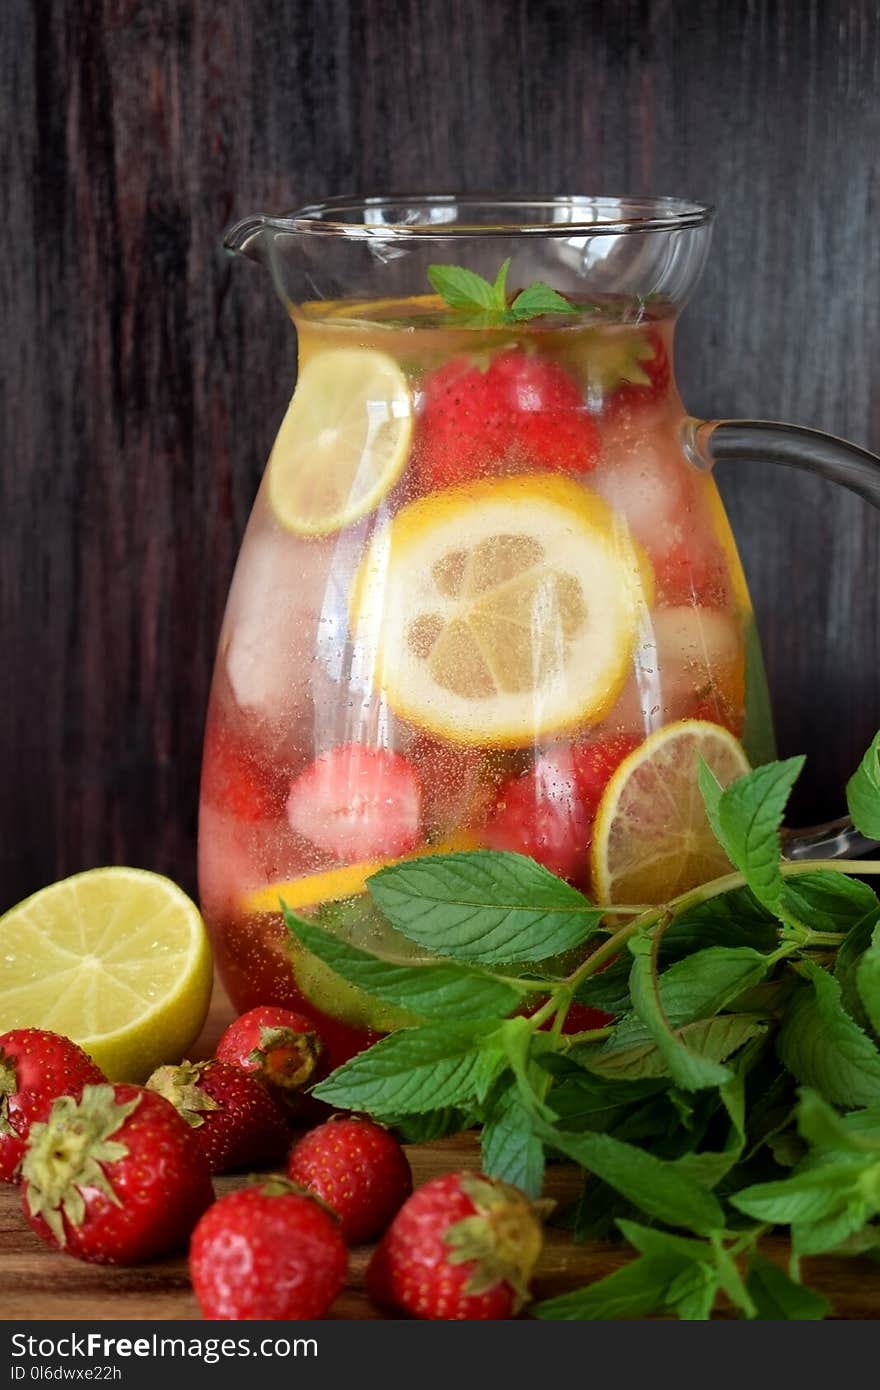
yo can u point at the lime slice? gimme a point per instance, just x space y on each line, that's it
652 839
343 442
500 611
117 959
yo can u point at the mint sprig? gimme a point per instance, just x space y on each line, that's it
487 303
735 1086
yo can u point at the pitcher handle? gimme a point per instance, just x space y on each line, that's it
707 442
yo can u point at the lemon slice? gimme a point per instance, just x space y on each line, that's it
334 885
343 442
501 610
117 959
652 838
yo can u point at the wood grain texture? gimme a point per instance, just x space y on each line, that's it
143 375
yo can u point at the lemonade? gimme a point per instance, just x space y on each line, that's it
480 573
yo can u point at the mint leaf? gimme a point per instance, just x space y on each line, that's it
777 1297
746 820
692 989
824 1048
464 289
417 1069
635 1290
846 968
609 989
484 906
433 1124
651 1184
823 1128
828 901
538 299
711 791
509 1148
693 1292
735 918
444 990
499 288
713 970
714 1039
692 1295
868 980
863 792
486 303
825 1205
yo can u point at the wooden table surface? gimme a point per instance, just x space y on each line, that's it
37 1283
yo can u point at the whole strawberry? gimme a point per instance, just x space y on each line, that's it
268 1252
235 1121
630 374
279 1047
463 1247
115 1177
36 1067
358 1169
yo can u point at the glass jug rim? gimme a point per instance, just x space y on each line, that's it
513 215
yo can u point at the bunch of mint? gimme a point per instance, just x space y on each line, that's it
736 1090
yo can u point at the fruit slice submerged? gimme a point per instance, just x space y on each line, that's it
116 959
334 885
652 838
357 802
343 442
499 611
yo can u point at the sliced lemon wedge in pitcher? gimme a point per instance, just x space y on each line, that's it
652 838
343 443
502 610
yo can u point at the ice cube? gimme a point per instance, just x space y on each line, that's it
644 477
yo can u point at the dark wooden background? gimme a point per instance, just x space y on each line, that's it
143 374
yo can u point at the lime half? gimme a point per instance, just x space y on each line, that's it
117 959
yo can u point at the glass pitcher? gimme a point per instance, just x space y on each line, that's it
488 595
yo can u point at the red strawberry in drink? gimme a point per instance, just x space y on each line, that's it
462 1247
543 412
36 1067
629 374
278 1047
358 1169
524 410
235 1121
234 778
596 761
461 429
542 814
115 1177
356 803
691 574
548 813
269 1252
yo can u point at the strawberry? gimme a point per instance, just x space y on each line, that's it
461 431
543 815
268 1252
462 1247
358 803
543 412
358 1169
115 1177
688 576
524 408
36 1068
630 374
278 1047
595 762
234 778
236 1122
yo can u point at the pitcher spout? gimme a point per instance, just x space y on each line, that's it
246 238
